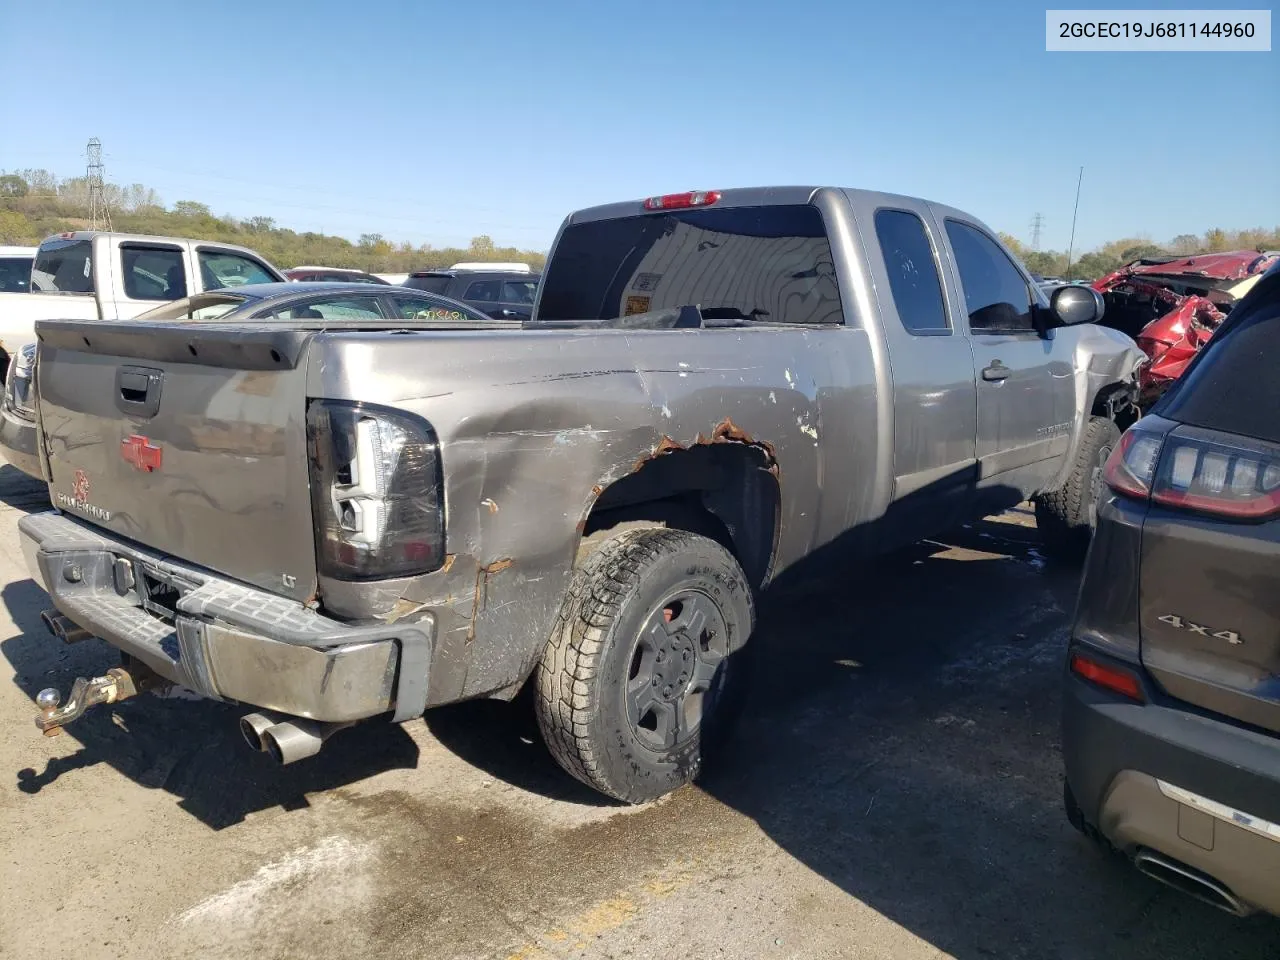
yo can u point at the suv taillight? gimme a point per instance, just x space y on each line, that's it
1237 479
376 491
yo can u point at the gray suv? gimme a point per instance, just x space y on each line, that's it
1171 726
502 294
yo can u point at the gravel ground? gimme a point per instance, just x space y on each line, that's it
895 791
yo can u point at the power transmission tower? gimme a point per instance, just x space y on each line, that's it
99 214
1036 223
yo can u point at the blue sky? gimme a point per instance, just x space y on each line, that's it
434 122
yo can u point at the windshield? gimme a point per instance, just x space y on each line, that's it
769 264
63 266
15 274
205 306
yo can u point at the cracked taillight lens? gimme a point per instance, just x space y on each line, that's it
375 491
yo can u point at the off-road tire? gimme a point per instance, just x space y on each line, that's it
581 680
1066 516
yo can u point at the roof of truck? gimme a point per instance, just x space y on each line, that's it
148 238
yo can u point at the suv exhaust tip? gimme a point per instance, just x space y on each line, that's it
1190 881
287 741
64 629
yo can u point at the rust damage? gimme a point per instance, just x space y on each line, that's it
726 431
480 598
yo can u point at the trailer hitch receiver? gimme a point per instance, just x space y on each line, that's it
115 685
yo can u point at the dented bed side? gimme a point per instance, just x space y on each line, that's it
532 436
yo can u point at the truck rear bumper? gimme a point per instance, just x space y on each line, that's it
18 442
221 638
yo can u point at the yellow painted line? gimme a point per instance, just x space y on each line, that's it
608 915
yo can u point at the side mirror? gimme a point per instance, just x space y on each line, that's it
1075 303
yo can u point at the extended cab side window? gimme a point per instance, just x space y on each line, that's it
220 269
153 273
913 272
996 294
485 291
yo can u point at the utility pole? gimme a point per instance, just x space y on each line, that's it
99 214
1036 223
1072 244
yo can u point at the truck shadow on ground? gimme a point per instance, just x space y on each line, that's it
192 750
21 492
902 741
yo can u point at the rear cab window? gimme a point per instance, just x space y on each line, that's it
913 272
63 266
770 264
152 273
997 295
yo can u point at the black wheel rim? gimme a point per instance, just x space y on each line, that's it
675 670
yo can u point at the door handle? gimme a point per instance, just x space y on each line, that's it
997 371
138 390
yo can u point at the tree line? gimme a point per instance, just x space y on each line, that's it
35 204
1111 256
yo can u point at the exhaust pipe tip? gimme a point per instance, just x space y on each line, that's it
293 740
1190 881
252 727
68 631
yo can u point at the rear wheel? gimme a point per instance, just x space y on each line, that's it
1067 516
643 674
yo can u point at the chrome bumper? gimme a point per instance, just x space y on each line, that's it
221 638
18 442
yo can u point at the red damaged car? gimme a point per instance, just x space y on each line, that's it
1172 305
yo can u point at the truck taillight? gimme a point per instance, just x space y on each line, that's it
682 201
1237 479
376 491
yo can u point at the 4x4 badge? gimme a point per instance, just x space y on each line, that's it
1176 621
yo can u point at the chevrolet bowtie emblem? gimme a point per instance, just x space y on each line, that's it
141 453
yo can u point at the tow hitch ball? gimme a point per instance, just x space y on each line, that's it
116 685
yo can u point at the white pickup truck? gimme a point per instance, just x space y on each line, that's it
92 275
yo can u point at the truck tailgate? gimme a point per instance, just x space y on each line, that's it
187 438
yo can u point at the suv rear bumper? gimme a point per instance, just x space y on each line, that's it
18 442
221 638
1194 788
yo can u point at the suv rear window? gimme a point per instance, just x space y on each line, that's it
429 284
63 266
770 263
1233 387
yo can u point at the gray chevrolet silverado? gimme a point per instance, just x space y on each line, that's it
332 520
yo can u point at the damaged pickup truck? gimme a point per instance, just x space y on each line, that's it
329 520
1172 305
